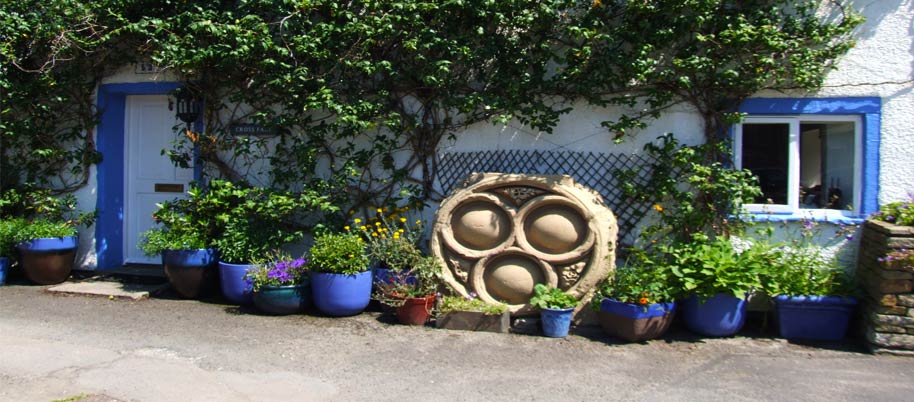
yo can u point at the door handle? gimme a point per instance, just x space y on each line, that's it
169 188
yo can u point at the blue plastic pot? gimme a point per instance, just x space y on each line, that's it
341 295
191 272
47 261
719 315
234 287
283 300
4 266
814 317
383 274
556 322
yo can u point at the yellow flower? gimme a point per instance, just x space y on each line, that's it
402 230
357 220
658 207
418 222
346 228
403 220
597 3
351 256
363 227
396 235
380 210
374 235
377 223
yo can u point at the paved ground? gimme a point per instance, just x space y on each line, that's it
161 349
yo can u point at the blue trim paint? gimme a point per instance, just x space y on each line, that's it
109 227
870 108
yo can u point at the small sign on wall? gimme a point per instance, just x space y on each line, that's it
146 67
251 129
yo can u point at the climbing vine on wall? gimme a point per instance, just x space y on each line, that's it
367 90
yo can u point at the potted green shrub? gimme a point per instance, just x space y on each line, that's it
8 230
185 240
411 292
556 308
256 221
393 242
812 295
472 314
280 284
637 300
47 239
340 278
716 278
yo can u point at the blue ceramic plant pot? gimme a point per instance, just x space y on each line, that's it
283 300
719 315
341 295
4 266
556 322
47 261
191 273
814 317
234 287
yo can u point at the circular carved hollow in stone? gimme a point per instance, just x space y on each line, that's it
509 277
480 225
555 229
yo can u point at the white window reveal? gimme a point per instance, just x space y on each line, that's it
804 163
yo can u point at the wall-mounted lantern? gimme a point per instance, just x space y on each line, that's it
187 105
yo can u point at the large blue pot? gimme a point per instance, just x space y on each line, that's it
234 287
4 266
719 315
191 272
814 317
47 261
283 300
556 322
341 295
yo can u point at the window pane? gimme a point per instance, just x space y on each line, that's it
765 153
827 165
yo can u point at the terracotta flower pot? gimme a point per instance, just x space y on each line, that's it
416 311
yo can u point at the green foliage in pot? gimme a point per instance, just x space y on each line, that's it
45 229
899 212
421 280
447 304
801 267
554 298
706 268
257 220
43 214
393 239
643 280
9 229
156 240
339 253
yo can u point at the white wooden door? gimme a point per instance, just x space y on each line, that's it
150 177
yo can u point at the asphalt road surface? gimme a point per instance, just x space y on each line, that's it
163 349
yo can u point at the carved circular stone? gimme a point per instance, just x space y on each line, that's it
511 278
555 229
480 226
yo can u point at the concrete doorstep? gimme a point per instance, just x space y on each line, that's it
110 288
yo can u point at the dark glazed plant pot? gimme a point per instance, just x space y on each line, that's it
283 300
635 323
813 317
556 322
4 267
47 261
234 287
416 311
719 315
474 321
341 295
191 273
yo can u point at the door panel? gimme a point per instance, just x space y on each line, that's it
149 129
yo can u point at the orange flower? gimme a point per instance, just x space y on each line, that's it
658 207
643 300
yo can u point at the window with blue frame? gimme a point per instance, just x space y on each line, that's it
814 157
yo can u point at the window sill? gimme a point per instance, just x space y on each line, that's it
816 215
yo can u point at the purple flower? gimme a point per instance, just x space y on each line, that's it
807 225
890 218
849 237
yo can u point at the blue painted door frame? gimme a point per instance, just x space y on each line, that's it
110 136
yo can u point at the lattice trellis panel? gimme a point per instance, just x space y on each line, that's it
594 170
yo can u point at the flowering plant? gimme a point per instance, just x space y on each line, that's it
279 270
643 280
393 241
553 298
339 253
421 280
449 304
899 212
801 267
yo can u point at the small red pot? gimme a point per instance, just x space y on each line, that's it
416 311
